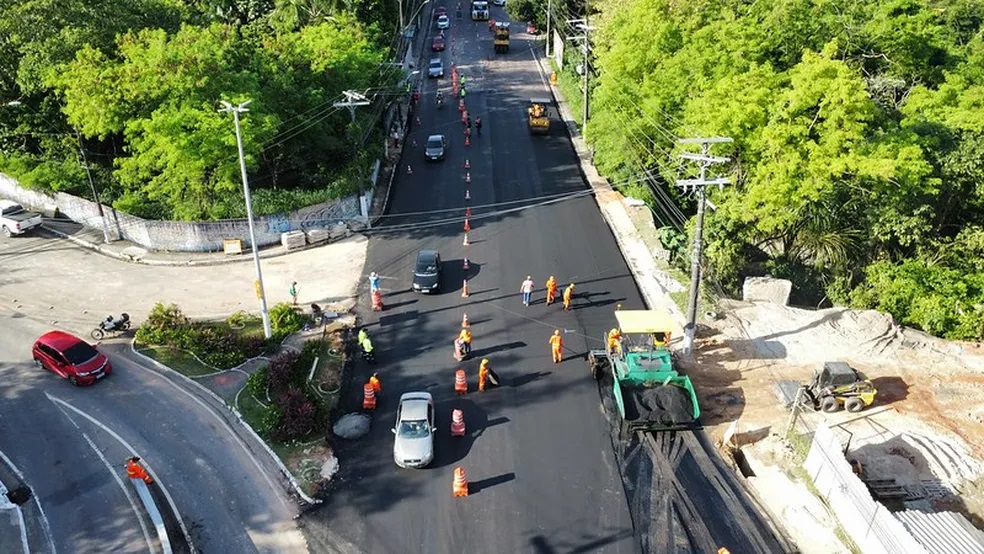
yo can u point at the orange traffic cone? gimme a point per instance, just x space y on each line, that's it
464 264
467 173
460 383
460 485
467 140
467 194
468 211
465 242
467 225
457 424
409 170
467 164
464 289
368 397
464 320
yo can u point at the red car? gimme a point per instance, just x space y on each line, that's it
439 11
437 44
70 357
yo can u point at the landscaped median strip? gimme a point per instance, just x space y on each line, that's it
282 399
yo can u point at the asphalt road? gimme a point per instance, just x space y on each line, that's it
71 443
538 453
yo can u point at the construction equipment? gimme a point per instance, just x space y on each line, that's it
838 385
539 118
649 393
501 37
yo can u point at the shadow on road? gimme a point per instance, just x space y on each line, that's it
475 487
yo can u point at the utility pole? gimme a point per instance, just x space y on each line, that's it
92 186
582 24
260 293
352 101
549 38
698 186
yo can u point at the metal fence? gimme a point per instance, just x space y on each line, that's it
872 527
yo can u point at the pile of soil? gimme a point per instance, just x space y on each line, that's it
666 405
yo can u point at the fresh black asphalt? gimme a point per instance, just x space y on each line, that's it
538 450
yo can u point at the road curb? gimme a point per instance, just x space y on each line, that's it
273 253
633 250
238 417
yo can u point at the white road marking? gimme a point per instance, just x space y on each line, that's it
277 489
44 517
8 505
112 470
133 451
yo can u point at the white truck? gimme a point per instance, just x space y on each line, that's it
15 220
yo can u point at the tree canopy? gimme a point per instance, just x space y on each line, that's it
139 85
856 165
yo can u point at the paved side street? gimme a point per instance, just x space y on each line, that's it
65 285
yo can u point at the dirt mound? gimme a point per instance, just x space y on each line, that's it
769 331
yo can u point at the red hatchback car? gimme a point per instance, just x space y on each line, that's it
437 44
70 357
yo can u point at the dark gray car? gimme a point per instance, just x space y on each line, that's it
435 148
427 271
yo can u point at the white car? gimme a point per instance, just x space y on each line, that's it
413 446
443 22
499 2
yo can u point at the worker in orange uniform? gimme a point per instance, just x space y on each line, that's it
135 471
466 337
615 342
551 290
557 346
483 373
375 383
568 294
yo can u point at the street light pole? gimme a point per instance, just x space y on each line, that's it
267 329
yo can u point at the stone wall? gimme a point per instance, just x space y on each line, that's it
183 236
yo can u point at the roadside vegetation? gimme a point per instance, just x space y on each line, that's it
136 85
197 348
858 146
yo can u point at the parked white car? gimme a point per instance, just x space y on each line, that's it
15 220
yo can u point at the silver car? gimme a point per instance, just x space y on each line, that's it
435 148
436 68
413 446
443 22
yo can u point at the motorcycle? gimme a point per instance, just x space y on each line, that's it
112 326
440 101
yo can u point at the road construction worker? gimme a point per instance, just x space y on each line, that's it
615 341
483 373
551 290
375 383
556 346
466 338
661 339
373 282
363 335
367 350
135 471
568 294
